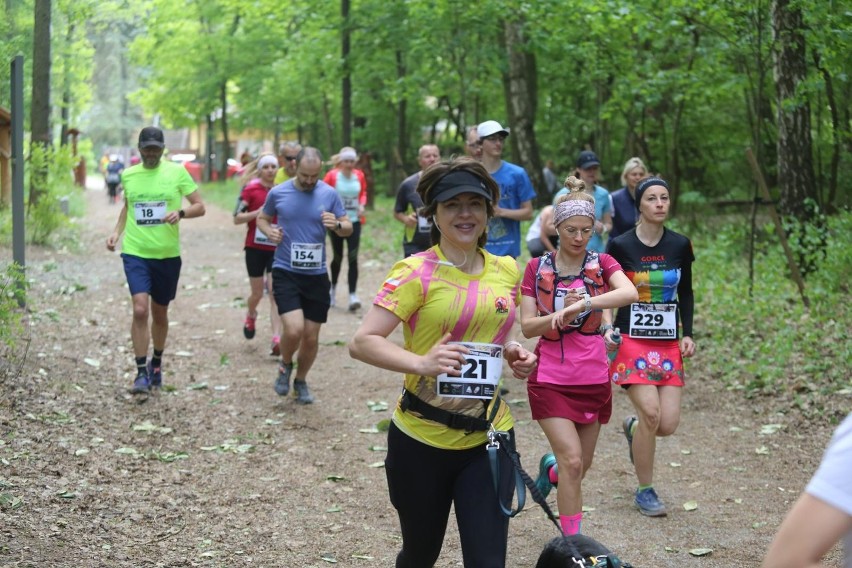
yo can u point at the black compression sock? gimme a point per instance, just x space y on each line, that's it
157 359
141 365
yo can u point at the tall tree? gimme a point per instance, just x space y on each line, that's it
40 105
346 80
520 83
795 146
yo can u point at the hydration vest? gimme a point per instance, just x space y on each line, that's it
587 323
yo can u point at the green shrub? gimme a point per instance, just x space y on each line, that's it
13 287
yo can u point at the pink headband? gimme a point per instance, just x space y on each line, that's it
571 209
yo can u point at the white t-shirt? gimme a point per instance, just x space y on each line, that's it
832 482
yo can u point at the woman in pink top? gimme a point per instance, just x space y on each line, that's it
566 294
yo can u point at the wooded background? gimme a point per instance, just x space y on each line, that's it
686 85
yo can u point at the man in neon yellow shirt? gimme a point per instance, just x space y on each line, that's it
287 154
153 194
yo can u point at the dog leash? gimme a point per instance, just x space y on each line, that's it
522 478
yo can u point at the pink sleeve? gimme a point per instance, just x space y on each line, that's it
528 284
331 178
362 197
610 266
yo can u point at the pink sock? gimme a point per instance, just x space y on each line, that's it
553 475
571 524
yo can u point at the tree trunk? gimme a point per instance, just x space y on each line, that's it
796 180
66 86
40 105
837 133
522 92
226 140
795 157
346 98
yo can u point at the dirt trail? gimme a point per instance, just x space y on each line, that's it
219 471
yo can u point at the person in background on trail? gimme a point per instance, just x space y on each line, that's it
259 251
822 515
113 177
542 236
624 212
472 145
351 186
589 170
418 228
456 303
245 157
287 153
303 208
150 250
649 362
566 297
551 182
516 192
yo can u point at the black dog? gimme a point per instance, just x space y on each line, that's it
577 551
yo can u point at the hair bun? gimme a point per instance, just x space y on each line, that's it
574 184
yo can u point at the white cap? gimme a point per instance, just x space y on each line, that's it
490 127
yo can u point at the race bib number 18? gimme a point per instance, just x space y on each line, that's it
479 375
149 212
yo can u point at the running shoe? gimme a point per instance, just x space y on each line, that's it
627 426
141 385
354 302
282 383
303 395
248 327
156 376
275 350
648 503
543 482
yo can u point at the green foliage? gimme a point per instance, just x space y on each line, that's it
46 218
769 344
13 286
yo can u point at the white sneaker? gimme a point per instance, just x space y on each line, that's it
354 302
332 297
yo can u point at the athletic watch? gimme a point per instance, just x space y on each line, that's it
339 226
181 213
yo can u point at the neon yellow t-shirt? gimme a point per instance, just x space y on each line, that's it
433 299
150 194
281 176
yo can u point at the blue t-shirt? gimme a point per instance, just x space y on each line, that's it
624 213
602 205
302 249
504 235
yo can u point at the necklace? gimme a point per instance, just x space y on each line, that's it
566 271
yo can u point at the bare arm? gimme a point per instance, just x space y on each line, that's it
810 530
341 226
371 345
273 233
112 240
523 213
407 219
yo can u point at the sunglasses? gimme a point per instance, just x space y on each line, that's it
289 158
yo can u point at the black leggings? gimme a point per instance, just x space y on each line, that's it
423 481
352 242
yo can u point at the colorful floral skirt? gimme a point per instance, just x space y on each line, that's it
647 362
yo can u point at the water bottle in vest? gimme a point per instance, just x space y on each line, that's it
616 338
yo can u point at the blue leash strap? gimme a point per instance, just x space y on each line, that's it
493 447
521 477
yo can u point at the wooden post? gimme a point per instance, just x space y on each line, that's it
779 228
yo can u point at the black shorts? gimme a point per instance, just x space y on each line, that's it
306 292
259 261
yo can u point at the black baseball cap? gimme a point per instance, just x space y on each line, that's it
587 159
151 136
456 183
